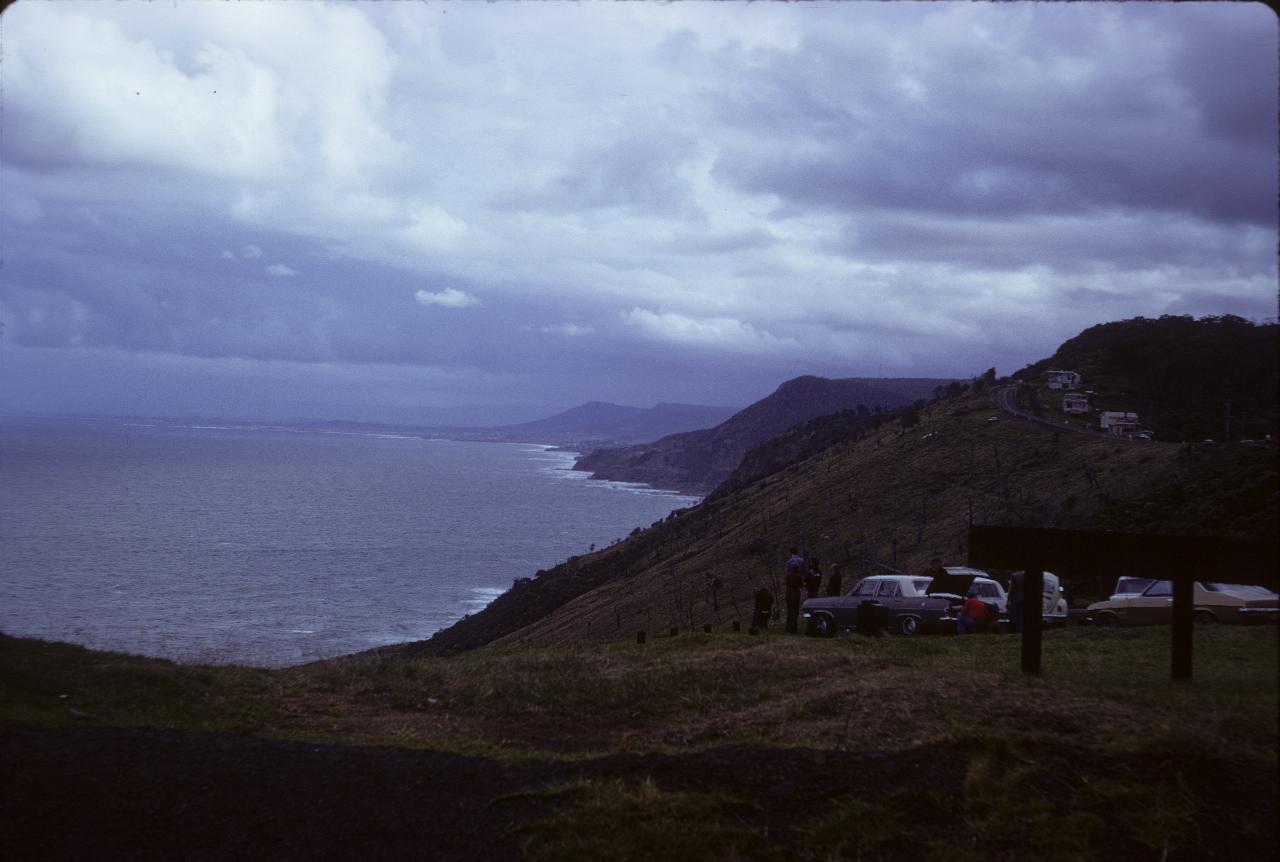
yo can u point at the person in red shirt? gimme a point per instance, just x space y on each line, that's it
973 617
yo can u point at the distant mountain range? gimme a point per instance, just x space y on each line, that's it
698 461
601 421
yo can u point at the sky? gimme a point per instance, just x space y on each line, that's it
477 213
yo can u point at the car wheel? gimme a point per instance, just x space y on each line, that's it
823 626
908 626
1204 618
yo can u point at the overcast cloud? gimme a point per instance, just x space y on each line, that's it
488 212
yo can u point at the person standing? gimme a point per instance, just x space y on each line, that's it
763 608
795 560
935 569
1017 598
794 582
813 579
836 582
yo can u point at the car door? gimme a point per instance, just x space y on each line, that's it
846 613
890 595
1153 607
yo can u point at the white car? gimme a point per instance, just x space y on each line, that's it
1053 607
987 588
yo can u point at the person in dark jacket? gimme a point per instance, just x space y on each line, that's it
1017 596
835 583
763 608
813 579
794 583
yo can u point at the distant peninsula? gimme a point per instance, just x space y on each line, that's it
696 462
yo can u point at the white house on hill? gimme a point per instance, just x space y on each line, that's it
1063 380
1118 422
1075 402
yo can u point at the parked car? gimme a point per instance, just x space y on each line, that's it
1053 600
1213 602
914 604
1131 588
1053 606
969 580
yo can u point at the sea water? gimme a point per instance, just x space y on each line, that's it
273 547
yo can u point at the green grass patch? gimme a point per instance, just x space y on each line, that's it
58 684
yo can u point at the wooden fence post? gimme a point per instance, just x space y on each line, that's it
1032 608
1183 627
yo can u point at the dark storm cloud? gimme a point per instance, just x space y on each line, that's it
634 202
1067 120
1067 243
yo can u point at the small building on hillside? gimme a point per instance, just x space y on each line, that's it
1118 422
1063 380
1075 402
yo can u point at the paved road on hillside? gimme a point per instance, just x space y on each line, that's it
1006 398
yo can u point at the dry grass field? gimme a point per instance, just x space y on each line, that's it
726 746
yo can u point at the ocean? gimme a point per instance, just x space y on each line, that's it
273 547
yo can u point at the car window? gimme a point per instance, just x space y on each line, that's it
866 588
1237 588
921 584
1133 585
889 589
1160 588
986 590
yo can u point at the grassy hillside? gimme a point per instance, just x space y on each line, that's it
696 747
884 496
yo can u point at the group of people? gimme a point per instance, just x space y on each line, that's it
803 579
806 574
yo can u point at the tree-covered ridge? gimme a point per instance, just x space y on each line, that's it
1188 379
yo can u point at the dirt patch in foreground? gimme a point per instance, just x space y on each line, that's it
102 793
153 794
